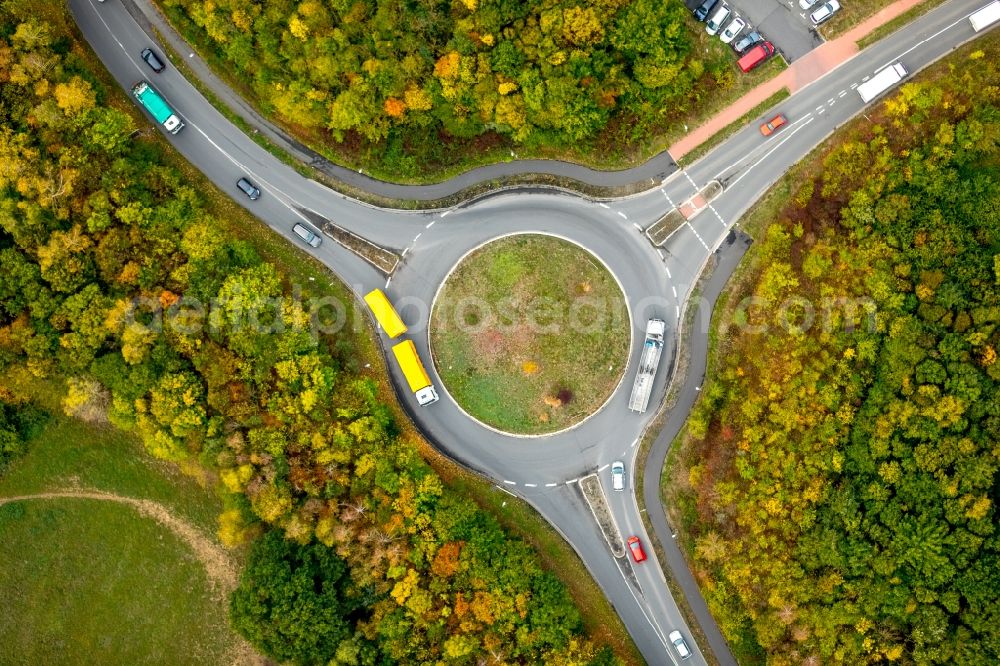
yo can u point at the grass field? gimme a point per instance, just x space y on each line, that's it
96 581
530 334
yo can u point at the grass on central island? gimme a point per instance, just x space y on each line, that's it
530 334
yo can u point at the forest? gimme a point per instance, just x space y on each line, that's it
839 479
394 80
360 553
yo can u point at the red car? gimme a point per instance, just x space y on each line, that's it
638 554
768 128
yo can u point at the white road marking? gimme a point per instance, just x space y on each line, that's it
572 481
718 217
677 312
853 86
601 469
445 213
924 41
509 483
696 235
603 205
821 112
531 485
417 237
637 226
388 281
404 252
675 290
830 101
668 271
551 485
842 93
819 108
787 137
430 224
632 446
622 215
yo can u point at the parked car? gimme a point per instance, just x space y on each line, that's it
677 640
638 554
720 16
768 128
826 11
747 40
618 475
152 60
756 56
704 9
248 189
306 234
806 4
733 29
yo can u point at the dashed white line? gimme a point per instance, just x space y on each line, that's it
663 255
531 485
622 215
637 226
820 109
388 281
417 237
717 216
430 224
853 86
677 312
675 290
404 252
445 213
693 184
572 481
601 469
842 93
822 112
551 485
830 101
510 483
632 446
696 235
669 276
603 205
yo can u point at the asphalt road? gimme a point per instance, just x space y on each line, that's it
657 282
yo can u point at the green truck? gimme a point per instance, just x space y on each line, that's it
157 107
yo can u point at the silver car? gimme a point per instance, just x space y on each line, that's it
720 16
306 234
826 11
677 640
618 475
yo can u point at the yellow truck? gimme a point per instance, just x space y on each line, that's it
385 314
413 370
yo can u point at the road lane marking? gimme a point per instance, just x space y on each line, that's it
677 312
430 224
601 469
830 101
417 237
622 215
696 235
632 445
924 41
445 213
675 290
637 226
603 205
510 483
842 93
388 281
853 86
531 485
668 270
404 253
820 109
719 217
551 485
572 481
787 137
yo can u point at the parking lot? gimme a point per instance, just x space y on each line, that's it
782 22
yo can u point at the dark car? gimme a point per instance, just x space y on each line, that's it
746 41
703 10
248 189
152 60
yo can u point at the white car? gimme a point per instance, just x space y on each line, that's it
806 4
823 13
718 18
618 475
679 644
733 29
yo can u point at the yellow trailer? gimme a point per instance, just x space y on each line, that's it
413 370
386 315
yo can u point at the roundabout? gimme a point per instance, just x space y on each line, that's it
530 334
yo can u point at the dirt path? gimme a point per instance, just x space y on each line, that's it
220 569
